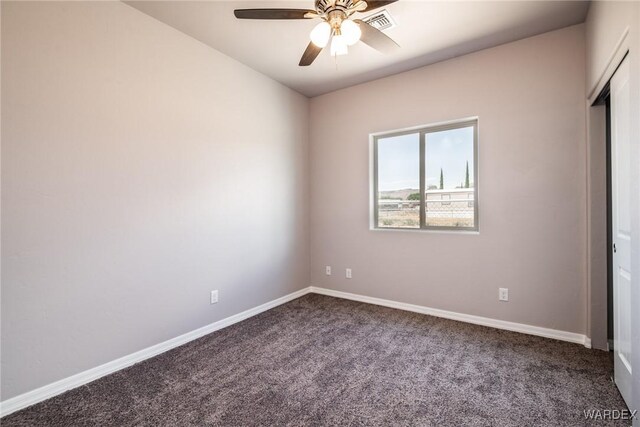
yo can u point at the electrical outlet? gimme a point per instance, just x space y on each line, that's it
503 294
348 273
214 297
327 270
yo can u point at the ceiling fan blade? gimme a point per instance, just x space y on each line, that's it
273 13
310 54
374 4
359 6
376 38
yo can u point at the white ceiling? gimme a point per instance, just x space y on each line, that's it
427 31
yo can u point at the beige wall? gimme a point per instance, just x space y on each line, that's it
140 170
529 97
607 22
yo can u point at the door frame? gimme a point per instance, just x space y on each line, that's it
596 264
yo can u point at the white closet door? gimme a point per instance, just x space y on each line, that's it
621 221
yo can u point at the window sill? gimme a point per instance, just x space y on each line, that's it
422 230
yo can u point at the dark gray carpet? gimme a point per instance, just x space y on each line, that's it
325 361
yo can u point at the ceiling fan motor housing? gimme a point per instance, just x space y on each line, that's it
325 6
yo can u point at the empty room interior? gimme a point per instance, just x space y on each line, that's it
329 212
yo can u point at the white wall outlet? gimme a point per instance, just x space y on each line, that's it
327 270
503 294
214 297
348 273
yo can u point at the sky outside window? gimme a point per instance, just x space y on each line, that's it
449 150
399 162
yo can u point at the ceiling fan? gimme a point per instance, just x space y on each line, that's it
337 26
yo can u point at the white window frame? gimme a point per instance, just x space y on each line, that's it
423 130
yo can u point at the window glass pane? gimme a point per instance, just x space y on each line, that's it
399 181
449 195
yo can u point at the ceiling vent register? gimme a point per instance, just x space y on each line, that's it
381 20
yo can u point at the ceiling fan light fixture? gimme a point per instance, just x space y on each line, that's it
339 45
350 31
321 34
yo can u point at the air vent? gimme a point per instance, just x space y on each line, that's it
381 20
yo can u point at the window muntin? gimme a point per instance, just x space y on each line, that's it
436 190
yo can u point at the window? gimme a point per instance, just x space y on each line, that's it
426 178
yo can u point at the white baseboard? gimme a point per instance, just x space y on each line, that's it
477 320
38 395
